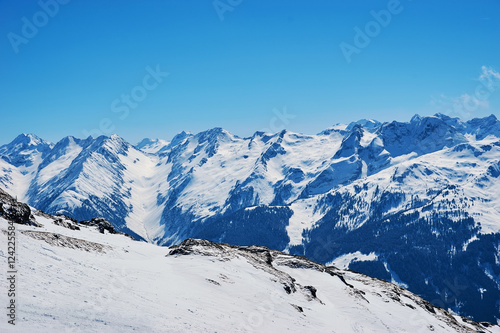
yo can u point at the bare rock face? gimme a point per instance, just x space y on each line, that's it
68 242
101 223
15 211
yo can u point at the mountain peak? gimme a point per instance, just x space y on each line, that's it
23 149
145 141
366 123
490 120
492 117
214 134
482 127
179 138
337 128
151 146
29 140
415 118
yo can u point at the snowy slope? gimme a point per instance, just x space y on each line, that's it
85 281
23 154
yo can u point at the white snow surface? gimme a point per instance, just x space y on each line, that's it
135 286
344 260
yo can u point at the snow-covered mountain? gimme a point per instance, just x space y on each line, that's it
84 277
416 203
151 146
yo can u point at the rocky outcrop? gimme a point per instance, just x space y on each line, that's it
61 220
15 211
101 223
68 242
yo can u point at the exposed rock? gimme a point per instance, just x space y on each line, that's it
69 242
60 220
298 308
15 211
101 223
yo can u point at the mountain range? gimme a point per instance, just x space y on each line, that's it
415 203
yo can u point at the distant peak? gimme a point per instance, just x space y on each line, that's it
337 128
103 139
282 133
485 122
216 130
151 145
214 133
444 116
366 123
29 136
258 133
416 118
183 134
179 138
29 140
492 117
146 141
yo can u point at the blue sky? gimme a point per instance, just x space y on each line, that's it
240 65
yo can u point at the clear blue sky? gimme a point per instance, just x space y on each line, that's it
73 72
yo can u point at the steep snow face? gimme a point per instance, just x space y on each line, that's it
12 180
142 178
420 135
86 281
95 177
24 153
59 159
